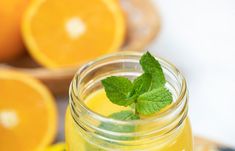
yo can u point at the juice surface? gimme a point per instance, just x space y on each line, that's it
99 103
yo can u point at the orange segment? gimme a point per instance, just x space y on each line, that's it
27 113
67 33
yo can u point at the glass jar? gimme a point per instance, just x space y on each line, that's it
169 130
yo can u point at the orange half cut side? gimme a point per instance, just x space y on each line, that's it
28 116
67 33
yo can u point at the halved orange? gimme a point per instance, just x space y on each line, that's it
28 117
67 33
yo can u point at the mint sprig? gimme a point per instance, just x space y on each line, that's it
147 93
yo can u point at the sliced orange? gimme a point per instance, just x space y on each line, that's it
28 117
67 33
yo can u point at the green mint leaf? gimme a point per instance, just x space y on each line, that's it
147 94
118 90
153 101
123 116
151 66
141 84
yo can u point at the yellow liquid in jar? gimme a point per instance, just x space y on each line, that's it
99 103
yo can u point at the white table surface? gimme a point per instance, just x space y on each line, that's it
198 36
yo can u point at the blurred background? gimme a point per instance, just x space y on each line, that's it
199 38
42 41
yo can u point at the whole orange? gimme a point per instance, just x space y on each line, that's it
11 44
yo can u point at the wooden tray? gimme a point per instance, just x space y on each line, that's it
143 24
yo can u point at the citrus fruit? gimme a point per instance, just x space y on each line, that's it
11 44
28 117
67 33
57 147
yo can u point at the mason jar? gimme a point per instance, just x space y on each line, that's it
168 130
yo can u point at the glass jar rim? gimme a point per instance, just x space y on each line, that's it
177 102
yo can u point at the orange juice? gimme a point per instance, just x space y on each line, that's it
99 103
